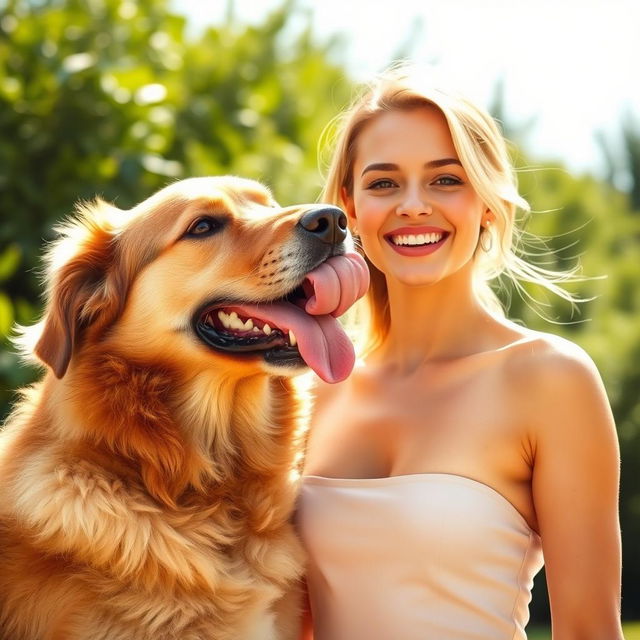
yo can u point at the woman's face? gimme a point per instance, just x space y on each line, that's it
412 204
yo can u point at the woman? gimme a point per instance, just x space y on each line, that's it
463 447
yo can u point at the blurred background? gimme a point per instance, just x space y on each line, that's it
118 98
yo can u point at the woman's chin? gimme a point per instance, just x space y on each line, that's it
420 278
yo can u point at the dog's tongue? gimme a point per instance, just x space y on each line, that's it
322 342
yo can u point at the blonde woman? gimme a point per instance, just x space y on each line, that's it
464 448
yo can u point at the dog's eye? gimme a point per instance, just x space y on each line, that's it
204 227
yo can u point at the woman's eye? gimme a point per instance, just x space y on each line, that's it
447 181
204 227
382 184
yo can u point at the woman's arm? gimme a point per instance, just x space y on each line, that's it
575 491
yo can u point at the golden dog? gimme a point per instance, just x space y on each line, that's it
146 482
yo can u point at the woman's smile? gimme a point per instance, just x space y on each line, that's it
416 241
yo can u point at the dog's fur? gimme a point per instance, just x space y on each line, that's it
146 482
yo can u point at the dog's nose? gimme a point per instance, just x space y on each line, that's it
328 224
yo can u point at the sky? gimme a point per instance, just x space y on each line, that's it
570 68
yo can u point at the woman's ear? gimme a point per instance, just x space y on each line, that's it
85 288
489 217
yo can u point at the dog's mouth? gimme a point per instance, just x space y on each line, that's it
280 331
243 328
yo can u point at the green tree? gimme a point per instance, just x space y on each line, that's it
586 221
623 161
111 97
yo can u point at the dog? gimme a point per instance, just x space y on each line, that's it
147 481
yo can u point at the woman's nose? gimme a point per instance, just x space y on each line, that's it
414 204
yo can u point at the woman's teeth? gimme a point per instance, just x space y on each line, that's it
423 238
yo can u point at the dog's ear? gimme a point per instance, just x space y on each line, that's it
86 286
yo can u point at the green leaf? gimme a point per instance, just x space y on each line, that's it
6 315
9 261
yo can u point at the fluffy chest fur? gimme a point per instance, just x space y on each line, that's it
182 537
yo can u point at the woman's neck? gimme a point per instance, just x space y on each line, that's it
440 321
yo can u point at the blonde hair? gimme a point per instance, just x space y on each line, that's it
482 150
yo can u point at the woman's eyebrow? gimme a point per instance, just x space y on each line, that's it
380 166
441 163
388 166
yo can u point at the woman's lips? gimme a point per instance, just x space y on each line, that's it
430 239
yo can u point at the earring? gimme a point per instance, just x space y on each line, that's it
486 239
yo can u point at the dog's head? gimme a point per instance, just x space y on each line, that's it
207 268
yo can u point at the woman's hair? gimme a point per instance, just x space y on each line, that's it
482 150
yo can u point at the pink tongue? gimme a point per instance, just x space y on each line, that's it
322 342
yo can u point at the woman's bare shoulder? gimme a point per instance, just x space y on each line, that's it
555 382
540 357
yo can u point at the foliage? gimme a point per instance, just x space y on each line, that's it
113 97
631 632
578 220
623 161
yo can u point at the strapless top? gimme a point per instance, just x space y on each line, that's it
430 556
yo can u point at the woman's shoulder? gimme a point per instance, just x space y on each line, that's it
541 357
554 381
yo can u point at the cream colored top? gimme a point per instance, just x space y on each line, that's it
430 556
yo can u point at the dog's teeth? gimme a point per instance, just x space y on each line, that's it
292 339
235 322
232 321
224 318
